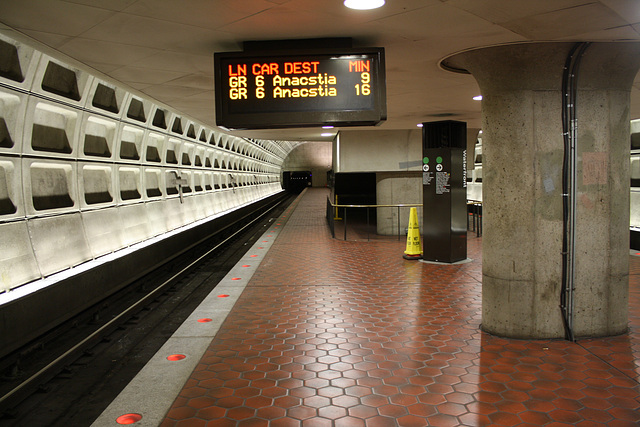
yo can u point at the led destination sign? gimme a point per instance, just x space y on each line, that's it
274 89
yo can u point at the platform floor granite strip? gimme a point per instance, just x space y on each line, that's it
333 333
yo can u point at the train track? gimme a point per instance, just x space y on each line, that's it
69 376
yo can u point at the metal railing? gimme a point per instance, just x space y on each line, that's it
474 216
361 223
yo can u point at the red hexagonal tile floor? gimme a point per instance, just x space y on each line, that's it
350 334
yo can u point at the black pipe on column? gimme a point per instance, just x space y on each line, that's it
569 182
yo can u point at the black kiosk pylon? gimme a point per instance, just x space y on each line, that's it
444 189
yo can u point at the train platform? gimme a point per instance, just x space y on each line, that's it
312 331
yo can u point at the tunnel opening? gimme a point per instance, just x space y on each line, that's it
296 181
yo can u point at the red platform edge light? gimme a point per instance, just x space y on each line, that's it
205 320
175 357
253 256
246 265
223 296
236 278
128 418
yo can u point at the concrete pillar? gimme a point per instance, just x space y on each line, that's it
522 186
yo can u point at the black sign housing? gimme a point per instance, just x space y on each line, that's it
300 88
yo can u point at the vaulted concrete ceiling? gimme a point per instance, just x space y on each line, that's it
164 48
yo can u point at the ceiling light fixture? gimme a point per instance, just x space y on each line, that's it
326 134
363 4
477 98
420 125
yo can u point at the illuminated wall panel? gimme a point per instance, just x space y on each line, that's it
59 242
53 129
97 184
103 231
52 186
153 182
12 106
9 187
155 147
17 260
129 183
131 143
94 167
99 137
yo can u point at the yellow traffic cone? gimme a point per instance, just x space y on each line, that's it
414 250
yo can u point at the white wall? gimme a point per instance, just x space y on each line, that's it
87 170
378 151
393 188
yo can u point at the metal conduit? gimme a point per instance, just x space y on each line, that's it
569 182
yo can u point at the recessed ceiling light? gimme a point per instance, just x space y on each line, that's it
420 125
326 134
327 127
363 4
477 98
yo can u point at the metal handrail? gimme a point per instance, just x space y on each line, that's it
377 206
400 205
332 207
